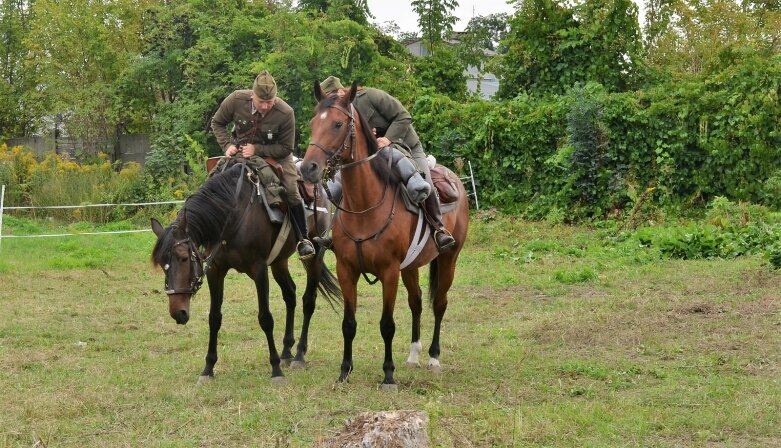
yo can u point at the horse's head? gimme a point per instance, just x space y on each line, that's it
181 262
333 132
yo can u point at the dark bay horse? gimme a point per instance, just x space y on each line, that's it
373 232
224 225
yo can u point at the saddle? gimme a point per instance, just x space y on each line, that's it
266 173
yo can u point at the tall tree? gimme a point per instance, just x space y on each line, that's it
688 37
15 118
551 47
77 50
355 10
435 19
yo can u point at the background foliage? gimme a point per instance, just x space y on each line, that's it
593 119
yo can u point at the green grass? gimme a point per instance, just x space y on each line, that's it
588 341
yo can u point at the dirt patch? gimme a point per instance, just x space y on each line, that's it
704 309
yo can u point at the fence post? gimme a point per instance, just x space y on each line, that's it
2 201
474 188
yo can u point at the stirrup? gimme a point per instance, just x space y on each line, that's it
447 242
323 241
305 249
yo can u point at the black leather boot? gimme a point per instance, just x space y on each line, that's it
442 237
323 241
305 248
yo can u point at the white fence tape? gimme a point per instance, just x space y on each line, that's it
93 205
77 234
2 210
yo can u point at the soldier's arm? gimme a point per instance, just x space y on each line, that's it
220 120
397 115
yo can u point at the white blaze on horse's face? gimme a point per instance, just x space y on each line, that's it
323 115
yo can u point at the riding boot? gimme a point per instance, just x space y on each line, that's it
323 241
442 237
304 247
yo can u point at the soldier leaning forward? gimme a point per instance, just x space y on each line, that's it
264 125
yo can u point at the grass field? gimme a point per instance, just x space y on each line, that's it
555 336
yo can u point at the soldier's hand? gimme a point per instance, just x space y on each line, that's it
248 150
231 151
383 142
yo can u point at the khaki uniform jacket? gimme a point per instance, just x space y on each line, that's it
387 115
273 135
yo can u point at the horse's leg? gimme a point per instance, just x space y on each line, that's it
312 267
390 286
282 276
441 272
216 282
348 282
266 320
411 279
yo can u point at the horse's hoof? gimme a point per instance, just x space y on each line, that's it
298 365
434 366
203 379
390 388
285 362
339 386
412 364
278 380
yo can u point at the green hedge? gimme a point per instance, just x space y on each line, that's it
592 154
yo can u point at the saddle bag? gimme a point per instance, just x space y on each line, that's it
445 185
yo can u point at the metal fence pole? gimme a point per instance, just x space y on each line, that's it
2 201
474 187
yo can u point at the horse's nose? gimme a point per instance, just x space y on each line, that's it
310 172
181 317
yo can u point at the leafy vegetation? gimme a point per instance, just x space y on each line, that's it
594 120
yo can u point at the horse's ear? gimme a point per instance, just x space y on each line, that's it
318 91
157 227
353 90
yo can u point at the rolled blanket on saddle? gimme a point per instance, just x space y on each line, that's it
264 172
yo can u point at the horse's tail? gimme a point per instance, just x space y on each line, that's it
433 280
327 283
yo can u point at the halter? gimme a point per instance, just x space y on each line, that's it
196 269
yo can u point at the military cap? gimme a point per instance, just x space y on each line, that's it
331 84
265 87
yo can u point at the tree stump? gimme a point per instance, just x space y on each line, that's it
391 429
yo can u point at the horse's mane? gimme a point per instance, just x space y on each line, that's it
205 213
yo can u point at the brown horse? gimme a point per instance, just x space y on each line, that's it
373 231
227 219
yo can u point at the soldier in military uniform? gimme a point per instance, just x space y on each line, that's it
392 123
264 125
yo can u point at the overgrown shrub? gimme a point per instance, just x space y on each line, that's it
686 142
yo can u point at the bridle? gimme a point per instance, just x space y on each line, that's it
196 268
335 163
